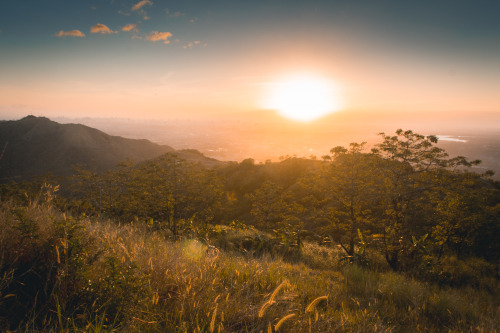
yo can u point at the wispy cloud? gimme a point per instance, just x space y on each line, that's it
101 29
192 44
155 36
174 14
121 12
130 27
71 33
141 4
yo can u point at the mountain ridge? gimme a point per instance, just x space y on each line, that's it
35 146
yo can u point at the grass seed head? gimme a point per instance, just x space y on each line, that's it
315 302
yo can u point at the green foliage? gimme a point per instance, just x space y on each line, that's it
465 211
271 206
414 170
166 190
359 257
350 185
27 228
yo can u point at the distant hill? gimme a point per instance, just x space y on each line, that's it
195 156
35 146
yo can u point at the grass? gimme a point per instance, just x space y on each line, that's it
65 274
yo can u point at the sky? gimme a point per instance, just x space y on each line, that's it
173 59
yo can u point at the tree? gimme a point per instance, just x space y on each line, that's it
466 210
411 165
167 190
349 188
170 189
271 206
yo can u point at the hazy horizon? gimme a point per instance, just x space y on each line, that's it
236 139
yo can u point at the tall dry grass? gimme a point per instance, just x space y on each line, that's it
65 274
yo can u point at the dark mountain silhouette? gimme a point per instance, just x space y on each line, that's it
34 146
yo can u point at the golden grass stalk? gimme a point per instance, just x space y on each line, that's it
278 288
58 256
212 322
126 251
313 304
282 320
263 309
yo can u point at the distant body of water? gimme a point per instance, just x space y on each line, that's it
453 138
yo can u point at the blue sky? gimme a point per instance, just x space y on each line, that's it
161 59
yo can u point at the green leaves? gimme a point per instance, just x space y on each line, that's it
166 190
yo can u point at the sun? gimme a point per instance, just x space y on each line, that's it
303 97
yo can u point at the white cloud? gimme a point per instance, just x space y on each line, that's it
101 29
141 4
71 33
156 36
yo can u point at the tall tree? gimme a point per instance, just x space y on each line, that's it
272 206
410 164
350 191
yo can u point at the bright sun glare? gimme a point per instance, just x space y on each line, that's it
303 97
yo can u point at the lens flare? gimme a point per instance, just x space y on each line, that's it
193 250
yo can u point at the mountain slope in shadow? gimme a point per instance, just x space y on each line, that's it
35 146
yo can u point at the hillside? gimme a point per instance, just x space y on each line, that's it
66 274
35 146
